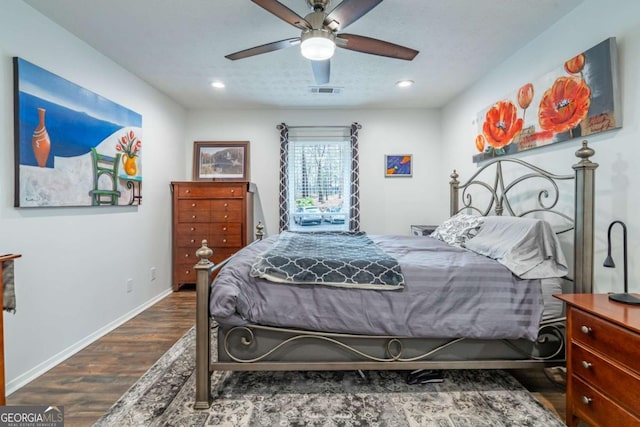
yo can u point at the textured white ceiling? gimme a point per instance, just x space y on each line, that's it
178 46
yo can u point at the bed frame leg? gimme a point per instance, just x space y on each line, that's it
203 269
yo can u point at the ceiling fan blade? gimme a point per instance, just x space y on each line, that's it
269 47
348 12
375 47
321 71
283 12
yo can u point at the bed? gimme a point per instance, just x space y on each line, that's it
251 337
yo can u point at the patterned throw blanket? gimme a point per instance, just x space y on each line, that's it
344 259
8 291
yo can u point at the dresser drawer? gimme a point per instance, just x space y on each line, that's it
225 240
593 407
220 254
611 340
226 230
187 255
184 272
222 192
192 234
226 210
184 266
613 380
194 211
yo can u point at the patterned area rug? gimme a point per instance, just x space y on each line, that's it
164 397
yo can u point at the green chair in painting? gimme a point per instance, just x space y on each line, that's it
105 179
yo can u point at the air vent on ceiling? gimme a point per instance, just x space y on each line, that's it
326 90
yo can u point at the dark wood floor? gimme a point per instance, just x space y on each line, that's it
89 382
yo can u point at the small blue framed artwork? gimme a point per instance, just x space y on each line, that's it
72 146
398 165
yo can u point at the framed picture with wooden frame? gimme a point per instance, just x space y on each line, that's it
221 161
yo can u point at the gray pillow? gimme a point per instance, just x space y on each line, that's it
526 246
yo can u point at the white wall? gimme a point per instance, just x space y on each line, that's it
617 182
71 279
388 205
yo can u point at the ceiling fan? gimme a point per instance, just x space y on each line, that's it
320 35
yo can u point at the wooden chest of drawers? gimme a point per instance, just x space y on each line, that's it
220 212
603 361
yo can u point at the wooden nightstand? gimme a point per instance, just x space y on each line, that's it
603 361
422 230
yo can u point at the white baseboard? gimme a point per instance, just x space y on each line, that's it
43 367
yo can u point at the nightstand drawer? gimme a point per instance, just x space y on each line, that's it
609 378
611 340
593 407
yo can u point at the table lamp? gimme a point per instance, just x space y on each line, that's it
626 297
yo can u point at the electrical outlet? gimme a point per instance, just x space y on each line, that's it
129 285
153 273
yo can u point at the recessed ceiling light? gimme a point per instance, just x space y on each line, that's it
404 83
218 85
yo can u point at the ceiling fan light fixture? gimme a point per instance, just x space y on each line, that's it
317 45
218 84
404 83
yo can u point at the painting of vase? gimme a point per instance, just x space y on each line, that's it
58 123
40 141
579 98
129 163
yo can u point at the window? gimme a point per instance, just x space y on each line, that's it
318 179
319 184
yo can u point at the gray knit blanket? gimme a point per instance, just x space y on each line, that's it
344 259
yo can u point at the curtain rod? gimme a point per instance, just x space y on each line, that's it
315 127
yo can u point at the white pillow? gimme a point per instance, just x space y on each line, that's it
526 246
457 229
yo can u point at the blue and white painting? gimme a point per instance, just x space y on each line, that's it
57 125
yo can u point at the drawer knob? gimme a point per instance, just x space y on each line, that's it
193 217
193 205
193 240
224 240
226 216
188 191
224 228
226 205
585 330
586 400
193 229
186 255
586 365
233 191
187 272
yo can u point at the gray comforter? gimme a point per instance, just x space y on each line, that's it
448 292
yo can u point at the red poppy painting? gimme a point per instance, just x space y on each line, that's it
577 99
